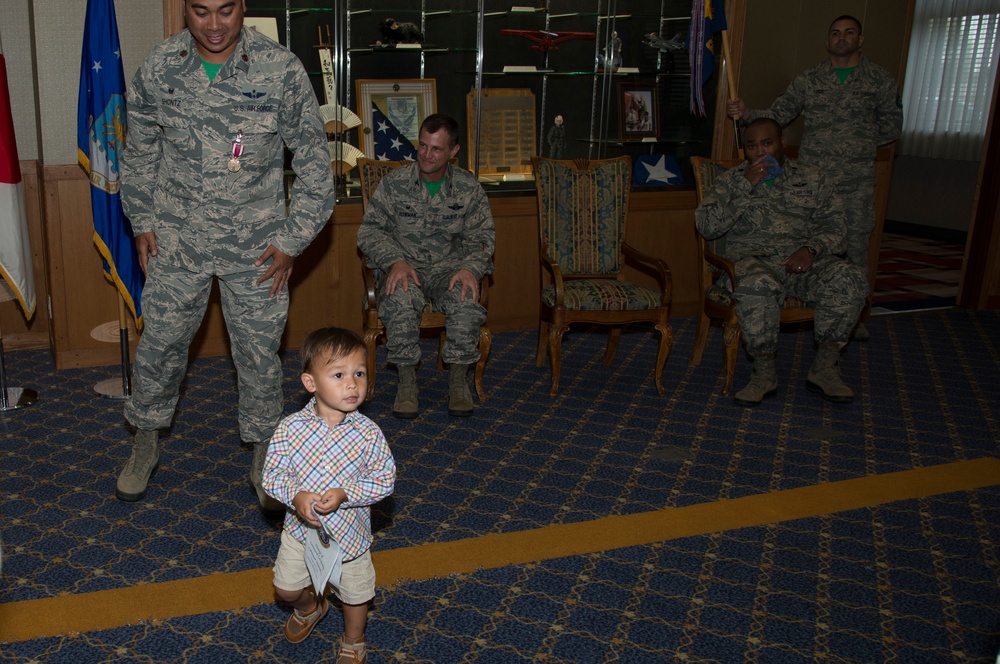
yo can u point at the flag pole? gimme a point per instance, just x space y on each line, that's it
727 65
12 398
107 387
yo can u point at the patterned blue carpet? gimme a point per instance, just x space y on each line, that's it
909 581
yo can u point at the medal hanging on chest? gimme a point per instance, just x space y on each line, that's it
234 163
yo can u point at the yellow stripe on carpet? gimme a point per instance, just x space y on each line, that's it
107 609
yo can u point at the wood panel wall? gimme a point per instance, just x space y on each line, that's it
326 282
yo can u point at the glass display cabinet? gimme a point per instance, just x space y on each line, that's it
616 74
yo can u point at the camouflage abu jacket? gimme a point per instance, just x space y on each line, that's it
844 122
181 129
799 210
452 230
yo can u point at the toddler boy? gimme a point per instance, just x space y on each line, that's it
328 464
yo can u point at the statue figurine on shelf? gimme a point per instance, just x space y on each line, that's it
394 32
556 138
612 58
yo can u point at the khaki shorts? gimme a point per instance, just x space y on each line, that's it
357 581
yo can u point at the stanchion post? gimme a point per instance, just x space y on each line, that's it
12 398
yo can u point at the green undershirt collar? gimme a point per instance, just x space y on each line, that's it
842 74
433 187
211 69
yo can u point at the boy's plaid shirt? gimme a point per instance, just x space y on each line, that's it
306 454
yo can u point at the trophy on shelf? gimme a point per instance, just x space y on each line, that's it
611 59
544 41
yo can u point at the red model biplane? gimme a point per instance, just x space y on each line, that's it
545 40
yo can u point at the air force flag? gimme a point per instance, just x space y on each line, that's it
100 141
656 170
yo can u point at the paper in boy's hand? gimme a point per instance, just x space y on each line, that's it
323 560
772 166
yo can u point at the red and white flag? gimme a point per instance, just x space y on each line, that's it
15 252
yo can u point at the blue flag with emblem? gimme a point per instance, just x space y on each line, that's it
656 170
390 144
707 18
100 140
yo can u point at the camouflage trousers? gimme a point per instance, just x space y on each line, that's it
174 302
857 194
401 311
836 288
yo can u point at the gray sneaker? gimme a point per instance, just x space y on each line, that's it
140 467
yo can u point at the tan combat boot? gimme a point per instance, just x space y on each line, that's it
268 505
763 382
824 375
406 406
459 398
140 467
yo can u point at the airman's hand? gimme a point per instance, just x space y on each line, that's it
400 273
468 283
280 268
145 246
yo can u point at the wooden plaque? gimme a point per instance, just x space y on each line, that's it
506 131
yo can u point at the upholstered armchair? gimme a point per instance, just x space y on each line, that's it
371 172
582 216
717 301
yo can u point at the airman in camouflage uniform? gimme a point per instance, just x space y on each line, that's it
428 233
783 236
203 185
851 106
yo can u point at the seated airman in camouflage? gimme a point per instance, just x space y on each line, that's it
428 233
851 106
785 233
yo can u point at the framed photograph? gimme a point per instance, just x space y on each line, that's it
638 115
404 103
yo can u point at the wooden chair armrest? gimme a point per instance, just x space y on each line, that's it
369 278
484 291
723 264
653 265
556 272
656 267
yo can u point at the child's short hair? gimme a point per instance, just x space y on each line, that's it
330 342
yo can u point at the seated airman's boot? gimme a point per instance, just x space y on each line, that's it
824 375
141 466
406 406
763 382
459 397
268 505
